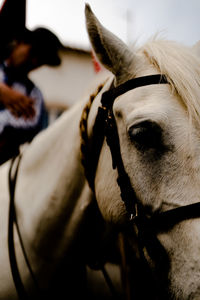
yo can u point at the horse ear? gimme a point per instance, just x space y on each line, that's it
196 49
113 53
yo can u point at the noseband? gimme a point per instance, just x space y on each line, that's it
105 127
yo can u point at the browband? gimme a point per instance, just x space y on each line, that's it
109 96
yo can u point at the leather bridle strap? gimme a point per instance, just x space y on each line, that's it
127 192
163 221
109 96
149 227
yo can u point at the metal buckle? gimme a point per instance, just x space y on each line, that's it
134 216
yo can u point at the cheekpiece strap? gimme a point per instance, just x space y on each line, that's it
128 194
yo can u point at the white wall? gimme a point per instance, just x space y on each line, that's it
64 85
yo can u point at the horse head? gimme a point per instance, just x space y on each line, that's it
159 140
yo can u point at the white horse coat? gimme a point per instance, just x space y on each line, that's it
52 194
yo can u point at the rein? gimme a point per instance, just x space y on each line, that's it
12 221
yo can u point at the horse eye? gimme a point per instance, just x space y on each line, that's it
146 135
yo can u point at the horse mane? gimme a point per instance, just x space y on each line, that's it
182 68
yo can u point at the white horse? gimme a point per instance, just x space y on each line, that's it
158 126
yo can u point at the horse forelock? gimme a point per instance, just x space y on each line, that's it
182 69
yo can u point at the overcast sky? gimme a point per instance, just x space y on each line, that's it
129 19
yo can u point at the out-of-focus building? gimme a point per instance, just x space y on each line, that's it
64 85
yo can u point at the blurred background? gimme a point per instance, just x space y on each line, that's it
131 20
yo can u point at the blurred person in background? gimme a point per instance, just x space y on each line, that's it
22 109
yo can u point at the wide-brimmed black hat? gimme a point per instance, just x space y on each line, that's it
45 45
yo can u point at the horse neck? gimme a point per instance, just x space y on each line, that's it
51 185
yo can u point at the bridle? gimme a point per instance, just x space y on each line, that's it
105 128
